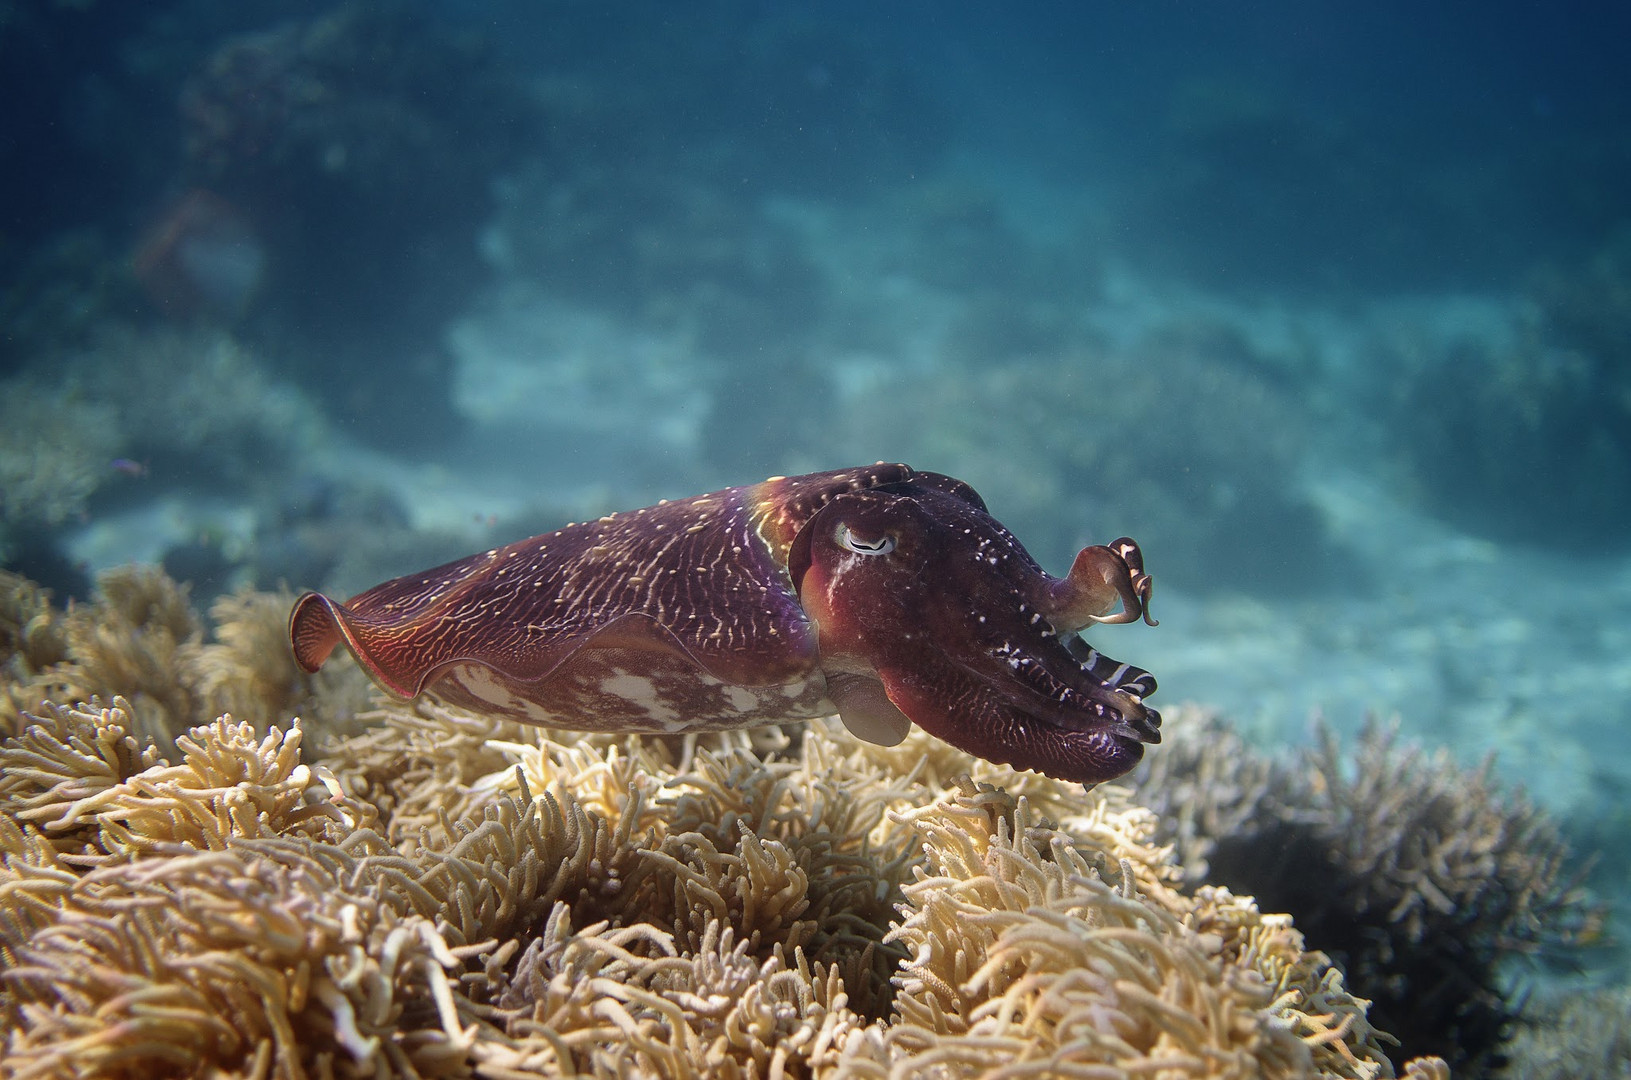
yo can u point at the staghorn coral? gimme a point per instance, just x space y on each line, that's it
446 896
1419 876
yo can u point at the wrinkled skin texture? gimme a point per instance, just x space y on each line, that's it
887 595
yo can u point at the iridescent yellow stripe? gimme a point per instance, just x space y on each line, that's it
768 511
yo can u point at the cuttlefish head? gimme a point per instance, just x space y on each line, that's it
929 611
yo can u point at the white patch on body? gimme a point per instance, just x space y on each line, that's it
742 699
641 692
483 684
480 681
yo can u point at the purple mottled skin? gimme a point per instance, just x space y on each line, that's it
886 595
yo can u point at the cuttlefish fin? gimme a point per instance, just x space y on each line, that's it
866 709
317 625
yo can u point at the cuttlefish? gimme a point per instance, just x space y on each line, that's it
884 594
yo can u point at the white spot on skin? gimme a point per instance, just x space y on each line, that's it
742 699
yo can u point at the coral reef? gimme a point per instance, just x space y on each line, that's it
1419 877
140 639
55 445
1563 1036
133 640
439 895
192 403
132 416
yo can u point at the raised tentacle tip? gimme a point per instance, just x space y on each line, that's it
1102 578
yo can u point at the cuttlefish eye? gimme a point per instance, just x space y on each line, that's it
862 544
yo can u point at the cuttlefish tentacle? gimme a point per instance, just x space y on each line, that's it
1101 578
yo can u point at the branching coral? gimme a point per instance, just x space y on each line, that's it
64 758
1429 842
248 670
135 641
505 870
1419 876
1562 1036
31 634
618 1002
424 767
227 787
197 400
85 784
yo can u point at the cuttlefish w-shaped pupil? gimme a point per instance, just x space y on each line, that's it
863 544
